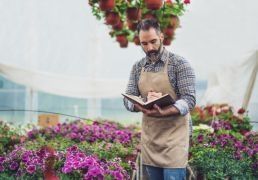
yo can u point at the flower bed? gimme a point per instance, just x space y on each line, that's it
227 149
78 150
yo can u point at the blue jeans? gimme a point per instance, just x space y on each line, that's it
156 173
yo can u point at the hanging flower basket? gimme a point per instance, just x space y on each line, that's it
123 16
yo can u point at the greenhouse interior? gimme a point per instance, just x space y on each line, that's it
64 66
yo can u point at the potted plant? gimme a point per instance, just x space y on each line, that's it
112 18
122 39
153 4
106 5
133 13
132 25
174 21
167 41
169 31
136 40
118 26
149 15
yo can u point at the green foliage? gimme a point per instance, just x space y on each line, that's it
38 176
217 163
59 143
8 137
223 154
7 175
241 124
70 176
10 175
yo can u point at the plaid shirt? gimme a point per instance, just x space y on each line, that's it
181 77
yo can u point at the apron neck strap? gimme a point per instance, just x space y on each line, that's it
164 69
166 66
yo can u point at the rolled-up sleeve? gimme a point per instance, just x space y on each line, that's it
186 87
132 88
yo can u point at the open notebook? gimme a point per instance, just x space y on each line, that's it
163 101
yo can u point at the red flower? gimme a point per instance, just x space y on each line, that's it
187 1
22 139
241 111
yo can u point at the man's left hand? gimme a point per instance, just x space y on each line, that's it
156 111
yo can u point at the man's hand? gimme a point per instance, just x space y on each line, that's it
153 95
156 111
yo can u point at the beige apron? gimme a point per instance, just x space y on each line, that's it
165 141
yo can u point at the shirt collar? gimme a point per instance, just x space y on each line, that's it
162 58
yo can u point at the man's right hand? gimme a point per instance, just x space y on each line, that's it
153 95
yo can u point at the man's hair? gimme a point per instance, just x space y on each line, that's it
146 24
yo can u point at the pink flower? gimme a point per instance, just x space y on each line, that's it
200 138
1 168
14 166
31 169
187 1
2 159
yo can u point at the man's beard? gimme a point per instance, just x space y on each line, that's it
153 55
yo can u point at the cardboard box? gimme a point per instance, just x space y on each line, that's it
48 120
